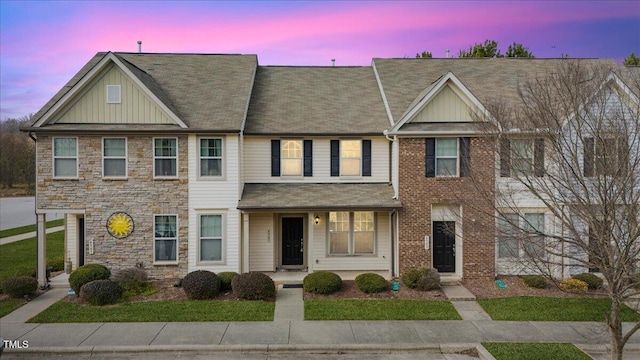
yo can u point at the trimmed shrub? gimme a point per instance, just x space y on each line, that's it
574 285
593 281
201 285
371 283
225 279
56 264
253 286
411 277
19 286
430 280
87 273
322 282
131 279
101 292
535 281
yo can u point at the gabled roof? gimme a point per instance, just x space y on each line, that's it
203 92
317 101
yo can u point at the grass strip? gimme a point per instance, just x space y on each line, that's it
533 308
535 351
158 311
19 258
8 305
387 309
29 228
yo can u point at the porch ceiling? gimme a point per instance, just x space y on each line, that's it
318 196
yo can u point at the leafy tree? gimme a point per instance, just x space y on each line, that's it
488 49
424 55
516 50
632 60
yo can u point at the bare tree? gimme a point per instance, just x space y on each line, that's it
570 148
17 153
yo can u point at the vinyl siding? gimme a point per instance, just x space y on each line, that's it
262 256
71 237
446 106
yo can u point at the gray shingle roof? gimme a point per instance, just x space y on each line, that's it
318 196
316 100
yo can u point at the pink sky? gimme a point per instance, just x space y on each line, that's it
42 44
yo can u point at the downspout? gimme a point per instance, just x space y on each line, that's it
393 162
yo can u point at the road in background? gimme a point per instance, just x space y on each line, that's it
20 211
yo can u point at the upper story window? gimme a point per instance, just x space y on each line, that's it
211 157
65 157
114 157
605 155
447 157
351 233
165 157
350 157
165 230
291 157
521 236
521 157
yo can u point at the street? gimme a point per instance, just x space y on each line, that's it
19 211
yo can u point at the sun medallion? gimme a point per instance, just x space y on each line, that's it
120 225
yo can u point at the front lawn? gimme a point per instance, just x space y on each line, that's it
533 308
535 351
19 258
29 228
387 309
8 305
158 311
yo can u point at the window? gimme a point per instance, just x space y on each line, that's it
165 229
446 157
351 233
211 237
350 156
605 155
165 157
65 157
114 157
522 157
210 157
521 236
291 157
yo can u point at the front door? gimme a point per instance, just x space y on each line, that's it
292 241
444 243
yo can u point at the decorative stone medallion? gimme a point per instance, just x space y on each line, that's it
120 225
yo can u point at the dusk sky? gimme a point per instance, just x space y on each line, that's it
44 43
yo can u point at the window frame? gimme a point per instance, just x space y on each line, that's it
342 158
515 170
200 158
284 159
449 157
125 158
223 230
165 157
351 235
522 222
176 239
62 157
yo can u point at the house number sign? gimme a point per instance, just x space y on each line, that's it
120 225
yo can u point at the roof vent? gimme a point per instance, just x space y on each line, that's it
114 95
139 46
333 62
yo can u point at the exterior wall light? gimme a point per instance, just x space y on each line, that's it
317 219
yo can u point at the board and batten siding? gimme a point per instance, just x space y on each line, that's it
262 256
446 106
215 196
257 162
135 106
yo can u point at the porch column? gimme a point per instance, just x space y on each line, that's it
309 248
245 243
42 251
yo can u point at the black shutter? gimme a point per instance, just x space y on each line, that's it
366 157
588 157
308 158
465 156
335 157
430 157
505 157
275 157
538 157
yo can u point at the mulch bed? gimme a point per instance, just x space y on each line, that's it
350 291
487 289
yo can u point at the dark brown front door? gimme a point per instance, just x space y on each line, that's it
444 243
292 241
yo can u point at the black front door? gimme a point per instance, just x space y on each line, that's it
292 240
444 243
81 242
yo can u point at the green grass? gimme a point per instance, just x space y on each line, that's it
153 311
19 258
531 308
379 310
535 351
8 305
28 228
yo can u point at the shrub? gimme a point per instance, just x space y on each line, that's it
201 285
56 264
225 279
87 273
131 279
253 286
593 281
19 286
322 282
101 292
430 280
535 281
574 285
371 283
411 277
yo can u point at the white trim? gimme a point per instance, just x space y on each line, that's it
223 238
166 262
384 96
457 158
223 162
301 158
361 159
53 156
126 158
153 144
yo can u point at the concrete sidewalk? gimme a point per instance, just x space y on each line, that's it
10 239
